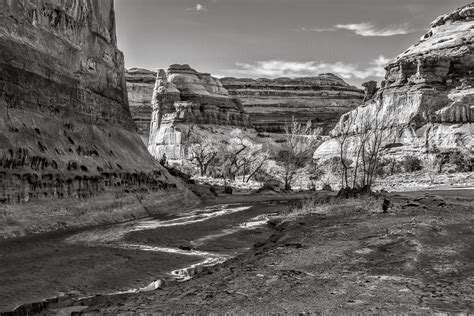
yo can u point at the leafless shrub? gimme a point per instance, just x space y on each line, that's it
298 150
367 140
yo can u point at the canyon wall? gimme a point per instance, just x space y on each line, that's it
69 152
272 103
140 84
184 98
427 97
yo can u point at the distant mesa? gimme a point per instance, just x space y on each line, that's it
272 103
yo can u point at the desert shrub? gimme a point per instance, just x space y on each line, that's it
337 206
334 164
454 161
262 176
411 164
388 167
272 185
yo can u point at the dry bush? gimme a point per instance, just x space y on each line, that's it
412 164
297 152
337 206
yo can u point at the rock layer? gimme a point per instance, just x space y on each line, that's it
140 83
184 97
69 152
428 91
272 103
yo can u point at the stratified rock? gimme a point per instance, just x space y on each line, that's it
183 98
69 152
272 103
140 83
428 92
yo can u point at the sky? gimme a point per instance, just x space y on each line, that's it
274 38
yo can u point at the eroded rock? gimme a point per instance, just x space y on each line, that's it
182 98
427 95
69 152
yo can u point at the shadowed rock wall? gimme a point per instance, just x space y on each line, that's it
140 84
69 152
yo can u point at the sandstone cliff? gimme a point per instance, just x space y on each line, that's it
182 98
69 152
272 103
428 92
140 84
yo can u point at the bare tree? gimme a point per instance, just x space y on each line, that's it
201 151
301 142
204 153
367 134
344 132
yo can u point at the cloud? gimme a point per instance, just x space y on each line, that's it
317 29
365 29
368 29
197 8
281 68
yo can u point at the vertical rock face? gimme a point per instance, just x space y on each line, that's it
428 90
184 97
272 103
69 152
140 83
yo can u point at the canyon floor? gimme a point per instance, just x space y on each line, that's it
133 256
418 257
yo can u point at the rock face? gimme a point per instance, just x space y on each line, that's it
184 97
428 91
69 152
140 84
272 103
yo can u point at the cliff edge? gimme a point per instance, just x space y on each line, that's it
428 92
69 152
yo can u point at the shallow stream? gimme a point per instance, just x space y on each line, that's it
128 258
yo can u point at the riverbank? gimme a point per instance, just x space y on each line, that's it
415 258
129 256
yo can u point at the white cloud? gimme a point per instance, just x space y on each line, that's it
197 8
368 29
365 29
281 68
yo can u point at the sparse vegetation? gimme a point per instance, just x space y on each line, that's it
298 150
336 206
364 145
411 163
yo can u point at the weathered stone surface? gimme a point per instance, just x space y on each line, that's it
140 83
428 90
272 103
184 97
370 89
69 152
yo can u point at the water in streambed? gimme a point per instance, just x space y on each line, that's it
130 257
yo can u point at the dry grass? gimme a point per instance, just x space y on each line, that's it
337 206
